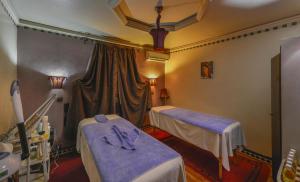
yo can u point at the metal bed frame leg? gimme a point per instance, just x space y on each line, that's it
235 155
220 158
45 169
28 169
220 168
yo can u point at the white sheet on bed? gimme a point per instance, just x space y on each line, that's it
232 137
170 171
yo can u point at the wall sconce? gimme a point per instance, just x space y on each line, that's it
57 81
153 82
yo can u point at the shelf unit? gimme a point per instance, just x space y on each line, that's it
42 154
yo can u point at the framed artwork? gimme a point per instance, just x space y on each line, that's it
207 70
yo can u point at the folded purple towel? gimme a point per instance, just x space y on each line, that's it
101 118
121 138
118 165
216 124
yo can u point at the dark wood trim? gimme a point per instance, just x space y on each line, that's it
276 114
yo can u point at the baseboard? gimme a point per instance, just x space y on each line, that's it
58 152
147 126
257 155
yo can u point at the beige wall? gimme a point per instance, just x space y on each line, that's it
8 68
290 88
241 88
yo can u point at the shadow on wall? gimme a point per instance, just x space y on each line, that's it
8 69
42 54
8 72
36 88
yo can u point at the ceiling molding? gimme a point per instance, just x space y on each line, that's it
113 3
9 8
140 25
244 33
134 23
202 10
119 13
186 22
239 34
76 34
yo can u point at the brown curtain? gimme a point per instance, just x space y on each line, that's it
112 85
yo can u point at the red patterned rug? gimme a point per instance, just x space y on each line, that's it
243 167
69 168
200 165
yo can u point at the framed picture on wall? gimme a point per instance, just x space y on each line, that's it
207 70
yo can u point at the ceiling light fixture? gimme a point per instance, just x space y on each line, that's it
159 34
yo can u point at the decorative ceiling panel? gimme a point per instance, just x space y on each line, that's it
175 15
174 11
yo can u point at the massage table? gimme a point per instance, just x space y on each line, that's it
221 143
169 171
